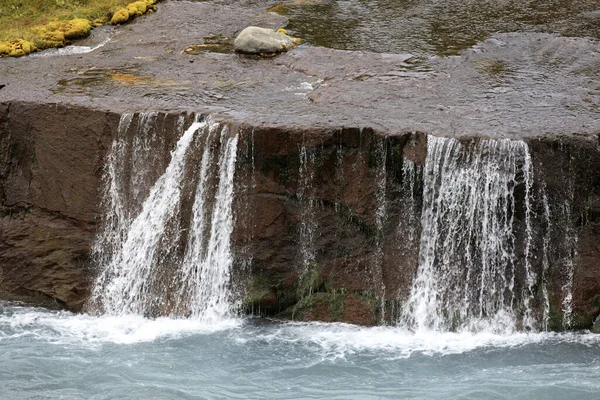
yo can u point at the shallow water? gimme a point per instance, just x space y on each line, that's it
51 355
428 27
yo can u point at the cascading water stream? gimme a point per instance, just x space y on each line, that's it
207 264
138 254
308 224
123 286
469 274
380 219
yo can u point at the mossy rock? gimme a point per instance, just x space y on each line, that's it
45 43
334 306
137 8
72 29
266 295
311 281
120 17
16 48
58 33
132 10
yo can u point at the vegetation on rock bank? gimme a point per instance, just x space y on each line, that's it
30 25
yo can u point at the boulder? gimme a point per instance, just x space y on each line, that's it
255 40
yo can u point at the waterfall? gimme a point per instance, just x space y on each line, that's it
139 248
205 272
306 196
545 258
380 219
570 239
469 274
410 172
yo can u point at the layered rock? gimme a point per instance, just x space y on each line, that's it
52 160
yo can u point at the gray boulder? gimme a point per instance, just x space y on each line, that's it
255 40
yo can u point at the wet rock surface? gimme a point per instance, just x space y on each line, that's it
519 84
58 116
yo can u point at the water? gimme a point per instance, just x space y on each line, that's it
124 286
138 254
206 267
426 27
164 322
459 336
51 355
470 274
307 227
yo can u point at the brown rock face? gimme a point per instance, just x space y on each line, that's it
312 228
50 169
45 258
327 221
334 218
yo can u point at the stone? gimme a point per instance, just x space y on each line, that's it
255 40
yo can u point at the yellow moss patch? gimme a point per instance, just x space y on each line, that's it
135 80
132 10
59 33
28 21
16 48
120 17
131 79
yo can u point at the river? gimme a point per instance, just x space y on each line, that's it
58 355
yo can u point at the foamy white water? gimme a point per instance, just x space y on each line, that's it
69 50
142 270
206 269
123 286
469 275
65 328
48 355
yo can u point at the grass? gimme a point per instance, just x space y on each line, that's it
26 25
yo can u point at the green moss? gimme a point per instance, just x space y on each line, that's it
311 281
335 306
260 287
580 322
16 48
120 17
266 295
28 25
73 29
132 10
59 33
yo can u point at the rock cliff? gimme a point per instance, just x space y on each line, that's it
329 178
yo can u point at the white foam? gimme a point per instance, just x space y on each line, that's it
65 51
340 340
67 328
328 340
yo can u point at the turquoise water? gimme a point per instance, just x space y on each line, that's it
58 355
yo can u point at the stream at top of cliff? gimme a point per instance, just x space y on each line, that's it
58 355
427 28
